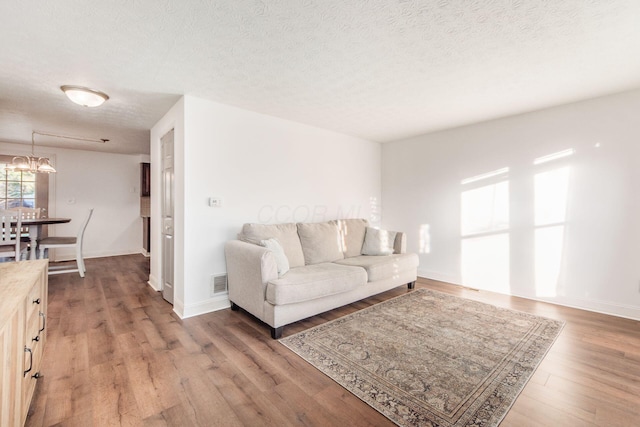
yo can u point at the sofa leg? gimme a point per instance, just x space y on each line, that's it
276 333
234 306
411 285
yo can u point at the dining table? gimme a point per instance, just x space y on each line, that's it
35 229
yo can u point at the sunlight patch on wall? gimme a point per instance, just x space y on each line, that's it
554 156
425 239
548 252
550 211
374 209
485 262
551 196
495 173
484 225
485 209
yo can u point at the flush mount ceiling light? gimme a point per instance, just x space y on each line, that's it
84 96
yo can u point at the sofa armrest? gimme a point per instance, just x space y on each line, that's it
249 268
400 244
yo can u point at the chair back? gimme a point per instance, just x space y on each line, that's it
84 227
8 235
26 213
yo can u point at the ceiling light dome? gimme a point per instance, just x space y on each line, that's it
84 96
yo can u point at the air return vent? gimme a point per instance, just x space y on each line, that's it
218 284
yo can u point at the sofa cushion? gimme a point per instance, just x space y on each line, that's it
314 281
320 242
281 258
378 242
352 233
382 267
287 235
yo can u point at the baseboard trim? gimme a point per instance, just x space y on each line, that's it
178 308
212 304
602 307
100 254
432 275
153 282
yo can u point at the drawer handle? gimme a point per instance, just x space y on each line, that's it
36 301
36 338
44 321
36 375
27 349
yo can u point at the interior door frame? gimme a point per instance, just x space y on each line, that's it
167 245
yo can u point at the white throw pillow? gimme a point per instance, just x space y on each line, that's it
282 261
287 235
378 242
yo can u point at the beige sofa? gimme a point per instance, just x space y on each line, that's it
327 268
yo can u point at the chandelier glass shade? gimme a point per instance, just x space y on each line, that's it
31 163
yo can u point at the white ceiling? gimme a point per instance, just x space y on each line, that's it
379 69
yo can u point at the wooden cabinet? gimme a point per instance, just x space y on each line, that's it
145 179
23 315
146 234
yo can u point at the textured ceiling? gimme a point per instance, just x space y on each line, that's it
378 69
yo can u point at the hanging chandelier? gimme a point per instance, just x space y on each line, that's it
41 164
31 163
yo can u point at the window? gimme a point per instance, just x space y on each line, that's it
23 189
17 189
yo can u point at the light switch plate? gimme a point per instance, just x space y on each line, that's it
215 202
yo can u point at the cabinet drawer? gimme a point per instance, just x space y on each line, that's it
23 293
30 372
35 327
35 300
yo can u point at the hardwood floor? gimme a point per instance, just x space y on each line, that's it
117 355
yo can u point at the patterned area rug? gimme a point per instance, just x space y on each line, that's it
431 359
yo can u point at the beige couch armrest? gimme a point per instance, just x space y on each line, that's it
400 244
249 269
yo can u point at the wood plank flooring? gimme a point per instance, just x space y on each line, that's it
117 355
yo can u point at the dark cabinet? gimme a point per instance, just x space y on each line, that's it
146 234
145 205
145 179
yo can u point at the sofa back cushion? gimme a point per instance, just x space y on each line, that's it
287 235
352 233
320 242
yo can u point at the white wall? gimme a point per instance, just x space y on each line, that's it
590 256
110 183
265 170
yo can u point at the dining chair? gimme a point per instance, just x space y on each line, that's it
66 242
27 213
10 243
